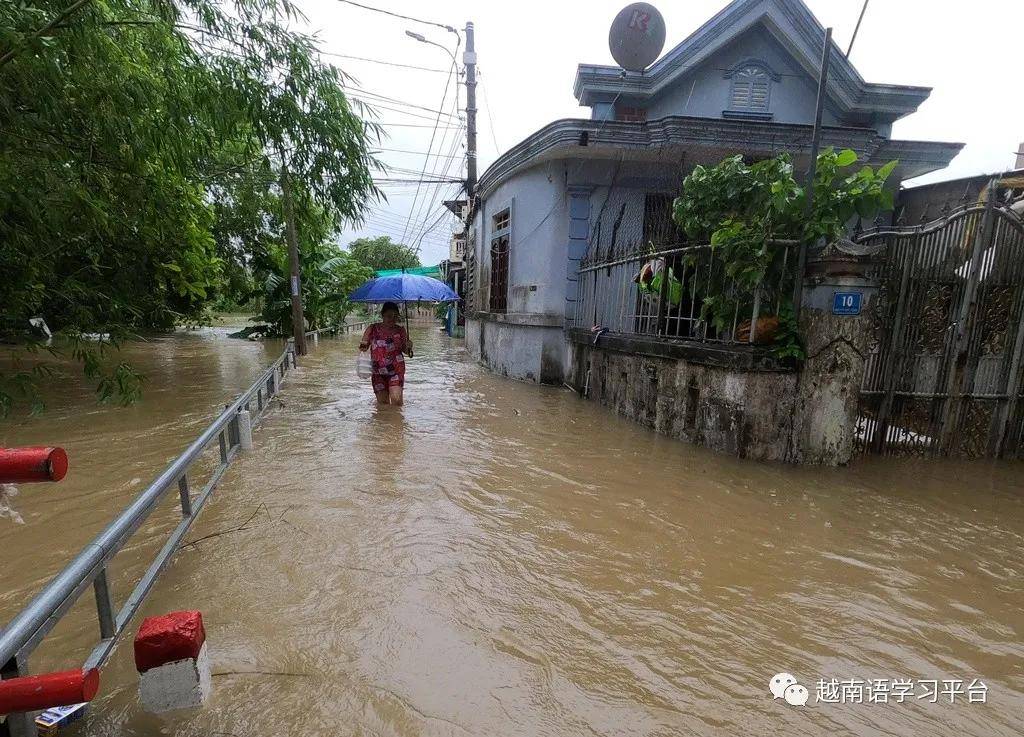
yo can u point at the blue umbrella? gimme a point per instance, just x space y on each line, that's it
404 288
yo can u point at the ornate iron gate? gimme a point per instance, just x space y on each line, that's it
944 376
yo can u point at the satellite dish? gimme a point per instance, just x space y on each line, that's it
637 36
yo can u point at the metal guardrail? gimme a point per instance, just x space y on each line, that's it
30 626
339 328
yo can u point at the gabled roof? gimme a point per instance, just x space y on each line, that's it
793 26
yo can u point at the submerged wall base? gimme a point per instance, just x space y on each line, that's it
734 411
533 350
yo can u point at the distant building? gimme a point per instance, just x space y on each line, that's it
744 82
453 271
925 202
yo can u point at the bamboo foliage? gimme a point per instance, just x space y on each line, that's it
140 142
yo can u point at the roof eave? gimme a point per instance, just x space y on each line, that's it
561 139
917 158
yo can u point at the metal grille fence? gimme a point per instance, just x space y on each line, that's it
641 277
946 372
614 298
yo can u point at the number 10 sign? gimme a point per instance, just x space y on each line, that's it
846 303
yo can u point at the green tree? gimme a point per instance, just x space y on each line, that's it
329 275
382 253
141 144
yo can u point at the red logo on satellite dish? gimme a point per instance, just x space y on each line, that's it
640 20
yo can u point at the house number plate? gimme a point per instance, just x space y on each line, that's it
846 303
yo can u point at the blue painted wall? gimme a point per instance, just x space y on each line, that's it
705 91
537 272
556 209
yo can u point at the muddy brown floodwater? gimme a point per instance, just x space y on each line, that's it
500 559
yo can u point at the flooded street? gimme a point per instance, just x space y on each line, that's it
500 559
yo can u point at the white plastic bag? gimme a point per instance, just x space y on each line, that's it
364 366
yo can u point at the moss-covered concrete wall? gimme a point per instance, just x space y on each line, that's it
743 413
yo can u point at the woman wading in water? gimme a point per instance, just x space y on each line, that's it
387 341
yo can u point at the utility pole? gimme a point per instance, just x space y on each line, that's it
812 168
295 284
469 58
860 18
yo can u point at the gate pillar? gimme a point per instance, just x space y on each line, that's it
836 323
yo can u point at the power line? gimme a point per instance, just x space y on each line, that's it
433 196
431 179
427 228
390 223
456 141
373 106
382 62
418 210
436 170
392 232
402 170
413 125
385 225
444 96
419 243
417 181
398 15
386 217
421 153
359 93
364 92
490 116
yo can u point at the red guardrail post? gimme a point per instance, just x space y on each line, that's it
28 465
31 693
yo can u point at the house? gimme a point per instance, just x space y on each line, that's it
925 202
744 82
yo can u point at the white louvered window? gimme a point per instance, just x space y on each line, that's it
751 87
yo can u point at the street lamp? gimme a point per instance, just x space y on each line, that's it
424 40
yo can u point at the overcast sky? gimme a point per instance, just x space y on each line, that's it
528 51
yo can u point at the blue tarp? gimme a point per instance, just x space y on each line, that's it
434 271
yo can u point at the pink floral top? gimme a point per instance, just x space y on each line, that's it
386 348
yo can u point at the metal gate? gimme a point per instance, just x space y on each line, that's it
944 376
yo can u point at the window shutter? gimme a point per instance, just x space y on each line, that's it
750 90
740 94
759 94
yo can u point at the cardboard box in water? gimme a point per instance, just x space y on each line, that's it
50 721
